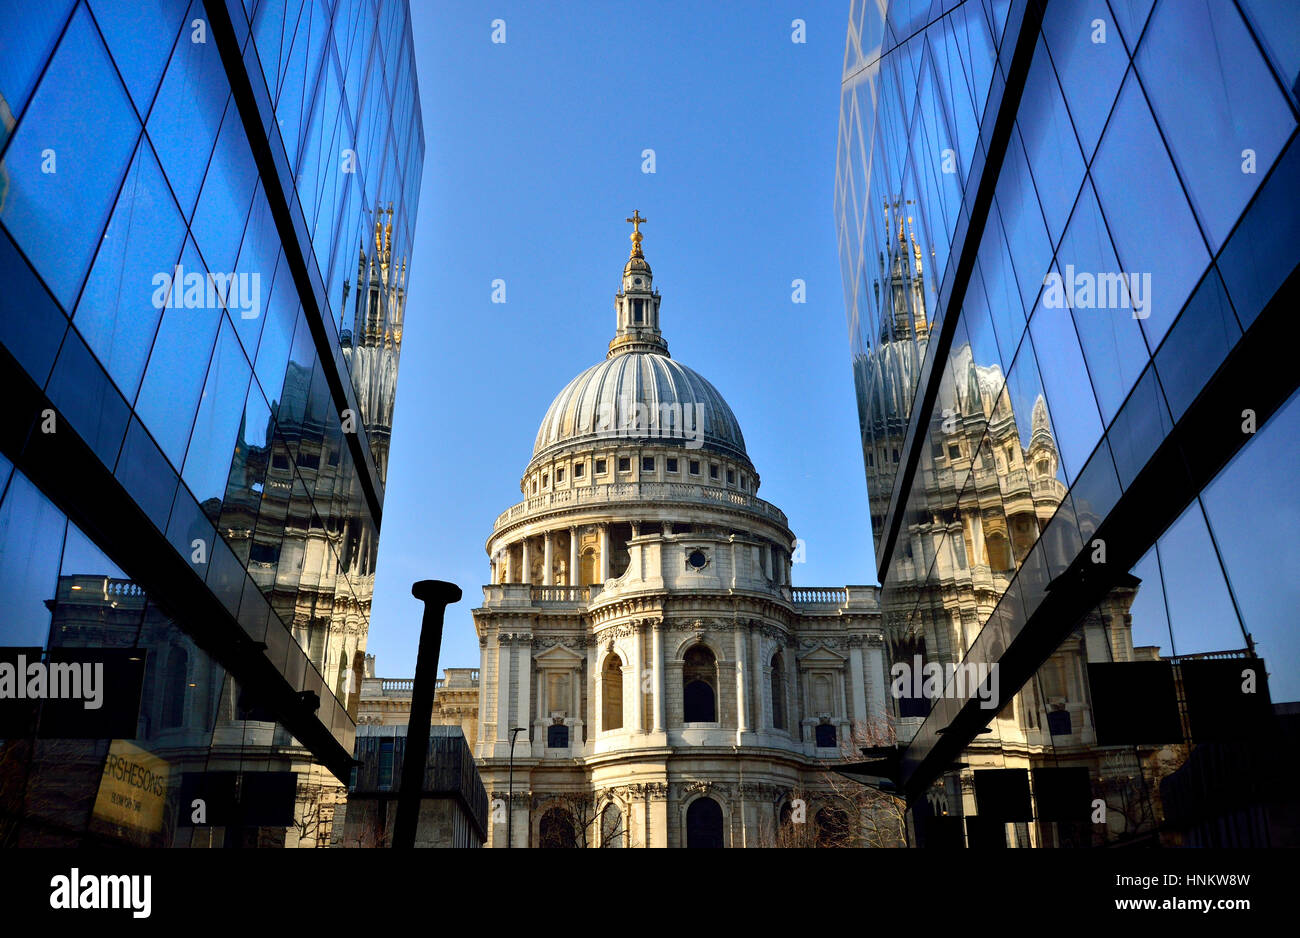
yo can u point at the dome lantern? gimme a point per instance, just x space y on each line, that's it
637 304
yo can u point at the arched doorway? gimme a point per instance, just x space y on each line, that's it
704 823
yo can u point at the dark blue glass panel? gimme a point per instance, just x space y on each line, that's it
1198 343
282 314
1142 425
143 241
216 427
227 194
87 399
190 532
1264 250
1215 99
187 115
64 168
1277 26
140 35
1090 62
31 542
173 380
145 474
1095 492
1201 614
31 325
1256 538
1110 336
29 40
244 485
1152 225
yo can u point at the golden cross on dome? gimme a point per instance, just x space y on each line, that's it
636 235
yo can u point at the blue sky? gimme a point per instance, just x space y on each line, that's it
533 160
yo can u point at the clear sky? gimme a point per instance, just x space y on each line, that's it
533 160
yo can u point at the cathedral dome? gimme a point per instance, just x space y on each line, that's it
641 396
638 393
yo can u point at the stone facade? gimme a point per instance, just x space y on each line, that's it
669 685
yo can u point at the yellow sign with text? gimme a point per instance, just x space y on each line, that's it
133 788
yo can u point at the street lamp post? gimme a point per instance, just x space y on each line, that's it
510 788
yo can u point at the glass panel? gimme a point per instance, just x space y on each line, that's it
173 381
1255 515
1050 145
218 225
31 324
1090 62
1140 428
1092 285
1150 620
1154 231
183 124
1199 342
63 172
1200 610
1277 26
1132 16
1070 398
1264 249
216 428
31 539
140 37
1215 100
86 398
139 251
28 44
144 473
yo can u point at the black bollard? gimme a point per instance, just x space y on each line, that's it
436 595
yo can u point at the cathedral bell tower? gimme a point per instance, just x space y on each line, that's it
637 304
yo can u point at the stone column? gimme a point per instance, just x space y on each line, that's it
503 693
879 680
604 553
573 577
742 665
524 668
658 683
635 724
548 578
859 694
657 824
593 684
510 565
756 670
527 575
767 561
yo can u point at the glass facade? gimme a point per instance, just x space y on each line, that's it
1067 235
206 214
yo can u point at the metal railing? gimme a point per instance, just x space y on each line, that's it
640 491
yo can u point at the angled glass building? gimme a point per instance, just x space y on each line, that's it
206 213
1068 236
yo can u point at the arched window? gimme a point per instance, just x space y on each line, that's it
700 686
589 569
704 823
611 717
611 826
832 828
176 688
778 691
556 829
